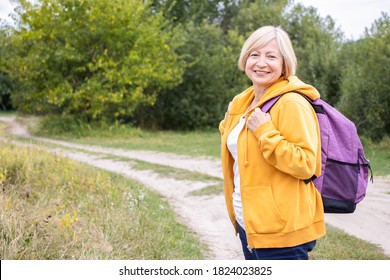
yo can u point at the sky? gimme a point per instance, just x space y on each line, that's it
352 16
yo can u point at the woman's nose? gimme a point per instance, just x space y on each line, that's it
260 61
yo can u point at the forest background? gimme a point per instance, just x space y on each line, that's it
172 64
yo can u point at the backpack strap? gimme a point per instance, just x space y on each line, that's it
268 104
307 181
317 108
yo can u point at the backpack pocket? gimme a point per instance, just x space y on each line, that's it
339 186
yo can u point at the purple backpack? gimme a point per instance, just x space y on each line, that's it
344 177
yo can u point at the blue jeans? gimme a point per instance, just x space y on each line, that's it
299 252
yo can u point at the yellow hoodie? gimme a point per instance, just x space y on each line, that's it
279 208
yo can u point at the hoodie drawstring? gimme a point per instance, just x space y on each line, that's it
246 163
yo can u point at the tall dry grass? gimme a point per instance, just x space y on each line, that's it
55 208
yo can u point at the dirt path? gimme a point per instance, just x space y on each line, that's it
206 215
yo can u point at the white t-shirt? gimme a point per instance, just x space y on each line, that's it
232 146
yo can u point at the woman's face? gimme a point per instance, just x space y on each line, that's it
264 66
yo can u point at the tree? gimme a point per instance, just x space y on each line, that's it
219 12
94 59
184 11
317 43
5 91
6 84
255 14
365 82
210 79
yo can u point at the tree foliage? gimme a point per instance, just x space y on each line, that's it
365 86
219 12
95 58
6 84
210 79
254 14
316 42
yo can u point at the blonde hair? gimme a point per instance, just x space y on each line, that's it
262 37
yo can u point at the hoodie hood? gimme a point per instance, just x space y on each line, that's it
282 86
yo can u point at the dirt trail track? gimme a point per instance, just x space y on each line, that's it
206 215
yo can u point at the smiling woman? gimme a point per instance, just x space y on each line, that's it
267 156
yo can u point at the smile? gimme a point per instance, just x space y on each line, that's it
261 72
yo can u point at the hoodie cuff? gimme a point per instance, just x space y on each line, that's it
264 128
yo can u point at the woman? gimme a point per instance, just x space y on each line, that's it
267 156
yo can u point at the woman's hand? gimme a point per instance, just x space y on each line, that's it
256 119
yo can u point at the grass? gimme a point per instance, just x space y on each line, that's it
55 208
212 189
7 113
379 156
3 126
336 245
177 173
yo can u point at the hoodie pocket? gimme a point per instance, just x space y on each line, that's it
261 214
